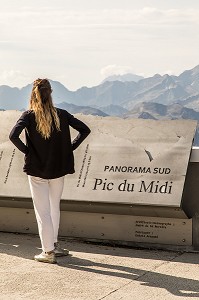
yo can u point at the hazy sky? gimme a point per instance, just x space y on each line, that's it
80 42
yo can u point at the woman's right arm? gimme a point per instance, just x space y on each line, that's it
16 131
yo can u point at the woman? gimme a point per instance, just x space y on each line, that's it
48 158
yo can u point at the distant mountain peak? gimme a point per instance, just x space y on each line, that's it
195 70
156 75
146 115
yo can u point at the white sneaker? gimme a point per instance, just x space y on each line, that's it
46 257
59 251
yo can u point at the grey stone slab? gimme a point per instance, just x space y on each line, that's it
141 162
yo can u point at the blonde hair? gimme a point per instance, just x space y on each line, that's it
41 104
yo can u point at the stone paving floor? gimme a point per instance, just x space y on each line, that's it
95 272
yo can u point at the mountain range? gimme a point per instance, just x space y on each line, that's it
165 89
127 96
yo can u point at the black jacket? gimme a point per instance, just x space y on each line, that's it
53 157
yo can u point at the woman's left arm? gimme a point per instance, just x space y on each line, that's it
81 127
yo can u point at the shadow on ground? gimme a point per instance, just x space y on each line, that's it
177 286
25 246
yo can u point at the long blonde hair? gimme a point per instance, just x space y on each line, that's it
41 103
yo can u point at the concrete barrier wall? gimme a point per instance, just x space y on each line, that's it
146 202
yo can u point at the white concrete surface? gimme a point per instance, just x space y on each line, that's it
95 272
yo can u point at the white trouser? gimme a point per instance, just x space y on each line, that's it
46 195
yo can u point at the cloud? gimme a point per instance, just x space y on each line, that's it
115 70
45 17
14 78
169 72
54 38
44 24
